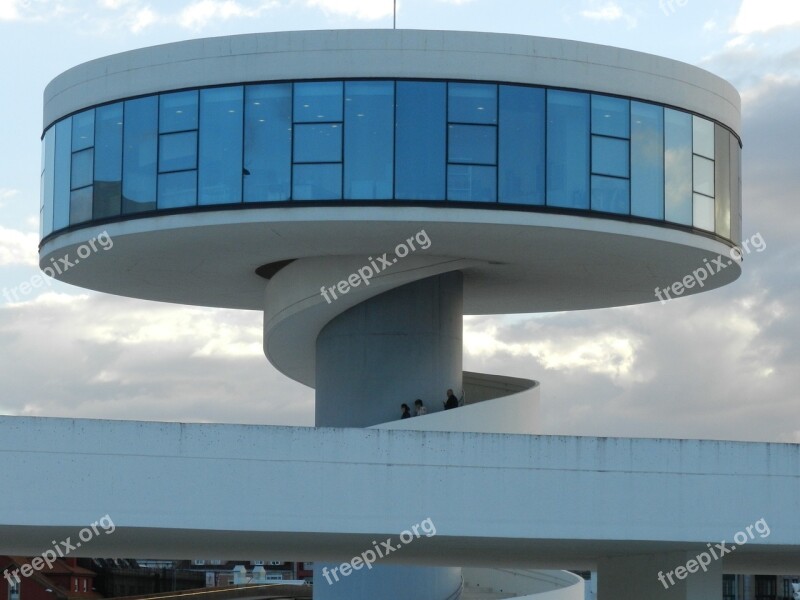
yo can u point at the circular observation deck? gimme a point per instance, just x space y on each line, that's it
555 175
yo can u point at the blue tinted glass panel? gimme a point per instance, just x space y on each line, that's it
221 129
474 144
703 212
567 149
722 186
703 137
317 182
472 183
318 101
108 161
140 131
611 116
318 143
49 152
610 194
369 139
647 160
63 166
703 175
83 130
80 206
177 151
521 131
268 142
678 166
82 165
421 132
177 189
178 111
472 103
610 156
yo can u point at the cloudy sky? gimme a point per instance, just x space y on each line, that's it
720 365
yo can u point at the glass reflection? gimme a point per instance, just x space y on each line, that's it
317 101
140 135
220 171
474 144
108 161
82 168
471 183
421 133
177 151
678 166
703 137
178 111
521 147
703 212
317 182
610 194
610 156
610 116
61 174
369 140
268 142
647 160
472 103
80 206
177 189
83 130
567 149
318 143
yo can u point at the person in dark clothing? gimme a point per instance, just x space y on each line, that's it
406 411
451 402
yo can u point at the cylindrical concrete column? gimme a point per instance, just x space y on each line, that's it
396 347
393 348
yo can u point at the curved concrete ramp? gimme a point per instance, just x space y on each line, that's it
319 494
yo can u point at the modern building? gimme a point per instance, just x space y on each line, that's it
365 190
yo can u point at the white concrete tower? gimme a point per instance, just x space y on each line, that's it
365 190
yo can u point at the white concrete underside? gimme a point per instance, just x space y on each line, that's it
513 262
324 494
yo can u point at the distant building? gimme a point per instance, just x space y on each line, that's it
62 580
758 587
129 577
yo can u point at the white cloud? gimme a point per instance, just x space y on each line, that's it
611 11
9 10
33 10
18 248
760 16
101 356
142 19
366 10
7 194
606 353
198 14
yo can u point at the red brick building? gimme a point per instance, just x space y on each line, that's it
63 580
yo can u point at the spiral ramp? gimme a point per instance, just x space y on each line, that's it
296 315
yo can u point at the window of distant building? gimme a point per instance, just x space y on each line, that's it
13 590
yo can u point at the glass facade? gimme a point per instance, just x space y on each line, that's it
373 140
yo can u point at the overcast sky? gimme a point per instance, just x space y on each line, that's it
720 365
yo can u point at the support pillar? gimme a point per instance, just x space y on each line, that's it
393 348
396 347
